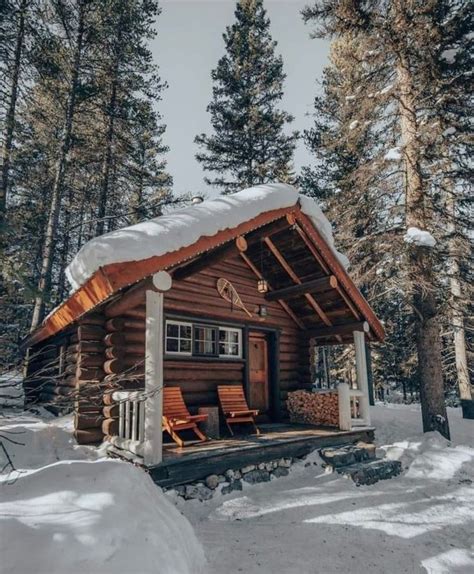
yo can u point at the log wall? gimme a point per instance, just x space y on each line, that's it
105 350
196 298
47 378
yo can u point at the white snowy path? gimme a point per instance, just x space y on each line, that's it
310 522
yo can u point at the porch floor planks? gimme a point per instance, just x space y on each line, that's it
196 461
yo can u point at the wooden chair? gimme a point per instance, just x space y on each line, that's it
235 407
176 416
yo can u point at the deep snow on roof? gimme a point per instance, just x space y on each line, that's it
183 227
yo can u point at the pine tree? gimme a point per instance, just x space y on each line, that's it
407 36
130 83
249 145
13 68
359 191
77 15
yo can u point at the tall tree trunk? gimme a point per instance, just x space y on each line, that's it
10 116
456 303
106 164
428 338
44 283
109 138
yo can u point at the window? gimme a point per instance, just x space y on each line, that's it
205 340
178 337
230 342
184 338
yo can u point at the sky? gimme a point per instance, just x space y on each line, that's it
187 47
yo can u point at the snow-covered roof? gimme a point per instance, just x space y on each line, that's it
183 227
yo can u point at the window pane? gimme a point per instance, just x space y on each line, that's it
233 349
172 330
199 347
222 335
234 336
172 345
210 347
185 345
222 349
185 331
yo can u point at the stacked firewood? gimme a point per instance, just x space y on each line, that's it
319 408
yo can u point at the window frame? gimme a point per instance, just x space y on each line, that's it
239 341
178 338
216 327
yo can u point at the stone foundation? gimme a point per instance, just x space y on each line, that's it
233 479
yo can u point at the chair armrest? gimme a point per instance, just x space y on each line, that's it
241 413
198 418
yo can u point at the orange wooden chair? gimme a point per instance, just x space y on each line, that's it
176 416
235 407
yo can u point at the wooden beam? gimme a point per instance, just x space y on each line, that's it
335 266
297 280
314 286
309 244
345 329
283 305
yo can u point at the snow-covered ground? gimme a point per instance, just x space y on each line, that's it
311 522
69 510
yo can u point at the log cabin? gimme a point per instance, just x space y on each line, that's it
236 290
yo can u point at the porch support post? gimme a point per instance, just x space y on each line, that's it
362 377
344 399
153 444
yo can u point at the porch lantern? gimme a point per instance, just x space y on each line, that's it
262 310
262 286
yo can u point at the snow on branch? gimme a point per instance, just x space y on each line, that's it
419 237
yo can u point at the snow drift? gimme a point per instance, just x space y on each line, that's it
78 516
184 227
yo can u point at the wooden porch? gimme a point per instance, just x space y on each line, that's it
195 462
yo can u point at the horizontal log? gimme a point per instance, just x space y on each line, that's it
87 421
201 374
314 286
120 339
138 314
217 364
89 404
128 300
90 333
90 361
85 347
89 436
345 329
116 366
92 319
126 350
93 374
110 426
118 380
123 324
111 411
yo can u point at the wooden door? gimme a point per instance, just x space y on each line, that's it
258 372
